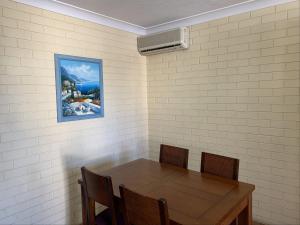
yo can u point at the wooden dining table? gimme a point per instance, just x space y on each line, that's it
193 198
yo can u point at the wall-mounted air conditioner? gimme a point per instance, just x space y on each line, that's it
166 41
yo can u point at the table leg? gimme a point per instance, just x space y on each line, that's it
245 217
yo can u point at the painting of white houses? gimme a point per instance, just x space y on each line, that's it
79 85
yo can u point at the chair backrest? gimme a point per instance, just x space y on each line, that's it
220 165
98 189
142 210
174 155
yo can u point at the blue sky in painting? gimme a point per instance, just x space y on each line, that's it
86 70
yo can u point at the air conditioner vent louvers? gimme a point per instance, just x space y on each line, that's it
160 48
163 42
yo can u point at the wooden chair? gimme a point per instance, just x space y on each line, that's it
174 155
99 189
220 165
142 210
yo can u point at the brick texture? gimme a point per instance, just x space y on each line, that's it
40 159
235 92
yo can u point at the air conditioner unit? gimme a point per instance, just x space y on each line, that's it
166 41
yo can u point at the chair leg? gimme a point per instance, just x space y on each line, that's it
83 205
235 222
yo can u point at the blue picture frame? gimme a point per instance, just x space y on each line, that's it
79 88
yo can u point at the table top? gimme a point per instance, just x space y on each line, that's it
193 198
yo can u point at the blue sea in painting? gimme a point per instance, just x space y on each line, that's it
80 88
85 87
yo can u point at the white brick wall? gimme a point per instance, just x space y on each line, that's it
39 158
236 92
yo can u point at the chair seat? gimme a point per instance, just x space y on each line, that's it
104 218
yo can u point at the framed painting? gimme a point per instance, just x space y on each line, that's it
79 88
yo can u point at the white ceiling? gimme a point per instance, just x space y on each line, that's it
149 13
149 16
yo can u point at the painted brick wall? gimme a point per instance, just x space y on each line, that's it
39 158
236 92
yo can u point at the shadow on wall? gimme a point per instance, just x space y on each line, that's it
72 170
72 165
